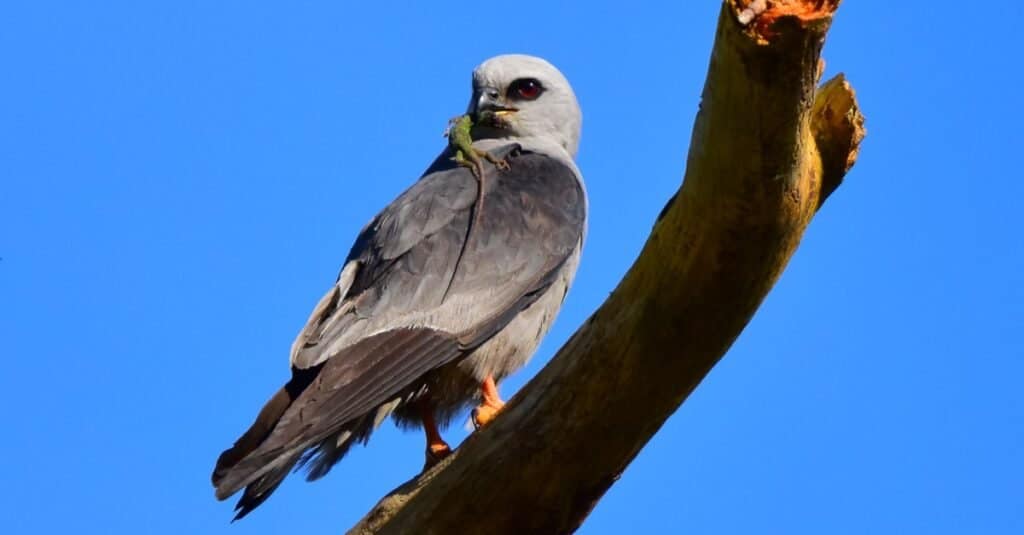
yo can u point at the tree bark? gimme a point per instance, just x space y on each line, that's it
767 149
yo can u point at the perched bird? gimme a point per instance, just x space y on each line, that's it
446 292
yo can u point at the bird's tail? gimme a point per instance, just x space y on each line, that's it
260 489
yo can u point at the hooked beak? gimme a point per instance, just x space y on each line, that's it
489 109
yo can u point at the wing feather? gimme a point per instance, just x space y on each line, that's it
415 295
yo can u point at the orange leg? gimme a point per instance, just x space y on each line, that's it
437 448
491 405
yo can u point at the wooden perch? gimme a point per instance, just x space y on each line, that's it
767 149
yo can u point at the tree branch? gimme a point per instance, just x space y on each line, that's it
767 149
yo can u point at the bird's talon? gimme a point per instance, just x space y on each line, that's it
436 453
485 414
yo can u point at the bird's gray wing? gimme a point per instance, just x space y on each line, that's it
423 295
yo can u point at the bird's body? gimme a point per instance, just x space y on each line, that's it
449 289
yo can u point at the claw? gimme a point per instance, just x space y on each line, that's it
436 453
491 406
485 414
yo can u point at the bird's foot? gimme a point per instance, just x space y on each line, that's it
485 414
491 406
436 453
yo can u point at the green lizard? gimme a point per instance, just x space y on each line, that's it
461 141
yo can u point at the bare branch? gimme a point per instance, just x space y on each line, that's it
765 153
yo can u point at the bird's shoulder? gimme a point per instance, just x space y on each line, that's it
446 190
433 254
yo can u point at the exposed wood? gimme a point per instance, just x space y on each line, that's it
767 149
838 129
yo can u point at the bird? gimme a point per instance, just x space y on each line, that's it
447 291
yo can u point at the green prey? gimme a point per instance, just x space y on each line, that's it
461 141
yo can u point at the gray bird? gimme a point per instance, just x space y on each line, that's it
445 293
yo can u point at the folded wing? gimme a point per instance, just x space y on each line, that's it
414 295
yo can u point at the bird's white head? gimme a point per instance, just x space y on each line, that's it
525 97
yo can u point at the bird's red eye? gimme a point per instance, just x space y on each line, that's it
525 89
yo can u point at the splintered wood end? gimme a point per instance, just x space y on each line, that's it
760 16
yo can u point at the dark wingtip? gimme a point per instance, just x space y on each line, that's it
265 422
241 511
247 503
258 491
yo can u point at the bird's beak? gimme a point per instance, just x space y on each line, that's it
489 108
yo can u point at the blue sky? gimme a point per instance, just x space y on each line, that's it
179 183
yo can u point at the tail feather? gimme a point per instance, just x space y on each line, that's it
319 460
258 491
257 433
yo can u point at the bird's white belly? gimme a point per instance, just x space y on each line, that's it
512 347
